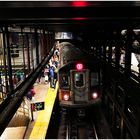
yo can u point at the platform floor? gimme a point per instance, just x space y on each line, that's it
41 90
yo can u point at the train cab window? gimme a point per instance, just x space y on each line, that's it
79 79
64 81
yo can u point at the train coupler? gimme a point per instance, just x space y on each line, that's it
81 113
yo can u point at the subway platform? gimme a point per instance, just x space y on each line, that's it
36 126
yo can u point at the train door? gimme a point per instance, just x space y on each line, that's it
79 85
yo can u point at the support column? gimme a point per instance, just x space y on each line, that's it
128 49
6 35
31 48
37 48
24 67
118 51
4 60
110 51
28 52
44 43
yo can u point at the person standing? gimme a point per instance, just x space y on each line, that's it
46 74
51 71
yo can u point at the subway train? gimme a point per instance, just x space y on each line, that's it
79 78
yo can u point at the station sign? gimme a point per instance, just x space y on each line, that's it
37 106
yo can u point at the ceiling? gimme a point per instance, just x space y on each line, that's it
71 15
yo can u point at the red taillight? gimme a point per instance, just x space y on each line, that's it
65 95
79 66
94 95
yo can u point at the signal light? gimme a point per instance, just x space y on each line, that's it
79 66
79 3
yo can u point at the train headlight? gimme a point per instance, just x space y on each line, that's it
66 97
94 95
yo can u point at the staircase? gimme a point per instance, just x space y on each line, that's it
19 120
19 123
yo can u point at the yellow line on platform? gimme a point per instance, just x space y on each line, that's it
41 125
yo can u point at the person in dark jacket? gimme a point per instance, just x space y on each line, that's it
51 71
29 95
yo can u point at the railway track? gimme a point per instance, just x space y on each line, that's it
73 126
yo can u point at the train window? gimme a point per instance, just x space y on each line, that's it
94 78
79 79
64 82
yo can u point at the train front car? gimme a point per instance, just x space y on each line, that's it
79 84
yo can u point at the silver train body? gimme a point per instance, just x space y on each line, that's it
78 78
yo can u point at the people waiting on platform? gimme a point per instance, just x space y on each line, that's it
46 73
31 93
51 71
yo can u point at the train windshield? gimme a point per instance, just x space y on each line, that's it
79 79
64 81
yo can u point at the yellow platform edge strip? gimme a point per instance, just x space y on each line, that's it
41 125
